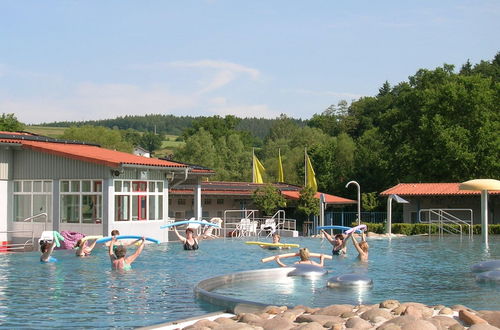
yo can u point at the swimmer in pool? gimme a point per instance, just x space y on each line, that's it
189 242
82 249
305 258
118 258
338 242
46 247
276 240
361 247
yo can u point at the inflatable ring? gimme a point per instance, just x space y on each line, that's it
485 266
489 276
349 280
307 270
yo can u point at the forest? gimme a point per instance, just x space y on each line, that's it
440 125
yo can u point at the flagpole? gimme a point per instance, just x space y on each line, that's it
253 165
305 167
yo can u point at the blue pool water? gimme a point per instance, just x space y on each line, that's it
85 293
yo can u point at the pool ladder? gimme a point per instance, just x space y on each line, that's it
446 221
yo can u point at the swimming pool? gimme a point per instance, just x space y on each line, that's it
85 293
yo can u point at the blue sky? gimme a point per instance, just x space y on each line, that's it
96 59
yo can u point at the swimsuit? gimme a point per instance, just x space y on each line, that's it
188 246
126 266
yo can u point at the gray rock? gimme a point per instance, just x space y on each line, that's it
287 315
348 315
250 318
374 315
456 327
206 323
389 304
493 318
399 321
442 321
334 310
419 325
446 311
224 320
236 326
358 323
456 308
196 327
483 327
309 326
277 323
321 319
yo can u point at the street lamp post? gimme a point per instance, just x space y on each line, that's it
359 199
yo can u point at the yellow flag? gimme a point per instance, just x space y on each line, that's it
258 171
281 176
310 175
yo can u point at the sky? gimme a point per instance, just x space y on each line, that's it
68 60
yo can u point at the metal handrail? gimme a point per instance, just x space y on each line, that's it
446 218
36 216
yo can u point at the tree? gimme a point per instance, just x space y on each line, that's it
268 199
105 137
307 203
9 123
370 201
199 149
151 141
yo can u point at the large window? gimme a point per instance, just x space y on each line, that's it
32 198
81 201
138 200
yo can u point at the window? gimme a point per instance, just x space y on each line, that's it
220 201
32 198
81 201
138 200
181 201
208 201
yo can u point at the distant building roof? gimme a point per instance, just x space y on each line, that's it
247 188
86 152
430 189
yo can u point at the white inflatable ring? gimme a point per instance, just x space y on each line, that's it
307 270
349 280
485 266
489 276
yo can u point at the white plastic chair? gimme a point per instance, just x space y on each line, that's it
268 225
243 228
211 231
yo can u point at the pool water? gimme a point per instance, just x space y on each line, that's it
86 293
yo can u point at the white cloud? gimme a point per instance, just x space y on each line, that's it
339 95
218 65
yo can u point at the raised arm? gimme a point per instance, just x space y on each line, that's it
356 245
181 238
134 256
328 237
91 247
321 260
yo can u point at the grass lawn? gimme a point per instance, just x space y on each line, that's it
52 132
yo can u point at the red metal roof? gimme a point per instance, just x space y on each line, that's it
223 188
430 189
92 153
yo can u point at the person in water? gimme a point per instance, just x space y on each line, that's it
119 260
82 249
46 247
305 258
361 247
189 242
339 243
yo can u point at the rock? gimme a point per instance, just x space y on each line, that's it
224 320
309 326
413 311
419 325
457 308
348 315
196 327
374 315
287 315
389 304
358 323
277 323
443 321
334 310
250 318
446 311
399 321
483 327
236 326
425 310
275 309
321 319
470 318
297 311
389 326
456 327
492 318
206 323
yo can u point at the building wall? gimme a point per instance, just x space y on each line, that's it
182 206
